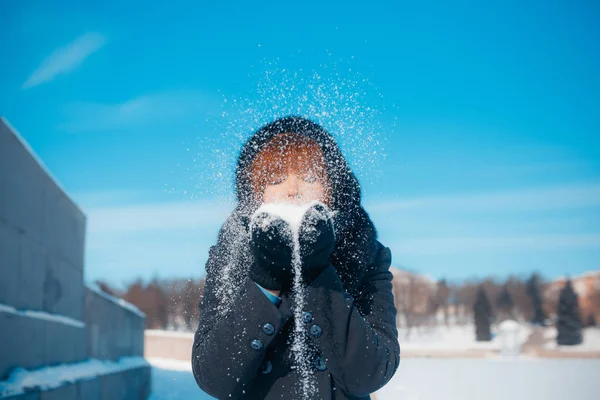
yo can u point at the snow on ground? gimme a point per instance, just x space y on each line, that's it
591 341
42 315
493 378
163 333
94 288
476 379
52 377
173 380
438 379
451 338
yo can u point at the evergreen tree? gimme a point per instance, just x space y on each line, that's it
482 312
539 317
569 320
504 302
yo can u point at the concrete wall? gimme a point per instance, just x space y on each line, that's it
113 331
47 315
30 342
42 235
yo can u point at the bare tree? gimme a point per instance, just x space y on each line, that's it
151 300
441 299
465 295
413 297
191 296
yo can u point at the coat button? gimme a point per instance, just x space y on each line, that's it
267 367
316 330
256 344
307 317
268 329
320 364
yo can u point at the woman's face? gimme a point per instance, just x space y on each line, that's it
292 188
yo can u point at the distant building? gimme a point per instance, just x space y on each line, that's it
587 287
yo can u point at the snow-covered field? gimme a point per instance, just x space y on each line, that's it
455 338
438 379
591 341
490 378
452 338
173 379
485 379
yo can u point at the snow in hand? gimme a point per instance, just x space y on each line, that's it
294 214
289 212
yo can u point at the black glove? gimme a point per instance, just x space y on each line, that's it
317 241
272 245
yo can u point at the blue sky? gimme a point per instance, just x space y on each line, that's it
474 129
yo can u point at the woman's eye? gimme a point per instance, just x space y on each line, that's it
276 181
309 179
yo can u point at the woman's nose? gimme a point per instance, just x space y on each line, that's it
293 187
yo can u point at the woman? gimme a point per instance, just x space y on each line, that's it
243 345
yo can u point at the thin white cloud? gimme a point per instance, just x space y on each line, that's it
129 237
139 111
457 245
66 59
124 259
158 216
100 199
535 199
141 239
537 219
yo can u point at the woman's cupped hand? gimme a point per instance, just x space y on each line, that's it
274 239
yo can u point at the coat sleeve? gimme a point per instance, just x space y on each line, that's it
358 338
228 350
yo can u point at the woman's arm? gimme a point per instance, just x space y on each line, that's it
228 350
358 338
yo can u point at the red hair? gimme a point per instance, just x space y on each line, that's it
284 154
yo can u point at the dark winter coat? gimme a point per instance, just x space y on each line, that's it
242 345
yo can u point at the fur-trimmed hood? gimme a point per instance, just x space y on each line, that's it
356 243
